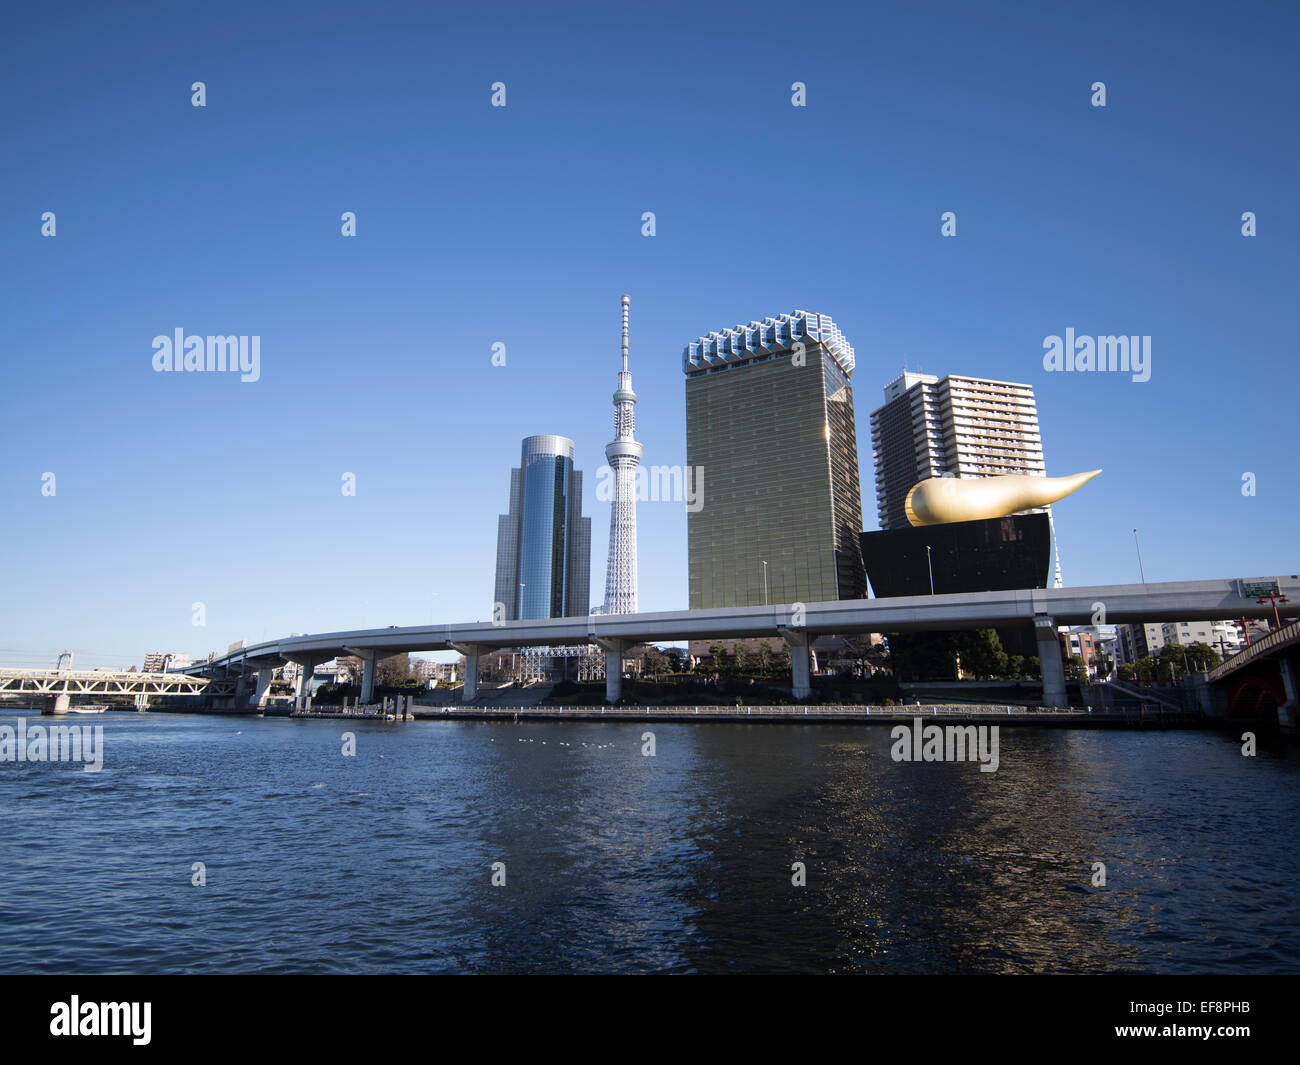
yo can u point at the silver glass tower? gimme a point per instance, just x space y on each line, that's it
544 542
624 456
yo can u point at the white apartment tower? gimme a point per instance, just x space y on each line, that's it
952 427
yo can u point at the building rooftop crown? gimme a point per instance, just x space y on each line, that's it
771 336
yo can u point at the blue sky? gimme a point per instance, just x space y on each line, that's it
522 225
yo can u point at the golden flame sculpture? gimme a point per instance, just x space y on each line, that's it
938 500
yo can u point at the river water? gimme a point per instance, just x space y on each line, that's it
615 861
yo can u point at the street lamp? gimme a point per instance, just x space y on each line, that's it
930 566
1274 599
765 584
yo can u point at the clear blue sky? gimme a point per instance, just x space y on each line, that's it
522 225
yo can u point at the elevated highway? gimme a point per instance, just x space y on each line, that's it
797 623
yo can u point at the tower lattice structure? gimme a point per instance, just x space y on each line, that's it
624 456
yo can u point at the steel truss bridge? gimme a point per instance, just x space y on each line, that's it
58 686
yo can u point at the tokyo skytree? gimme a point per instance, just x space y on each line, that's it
624 456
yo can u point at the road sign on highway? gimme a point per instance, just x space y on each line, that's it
1258 589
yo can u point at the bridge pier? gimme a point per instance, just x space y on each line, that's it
470 688
1289 712
471 652
57 704
614 650
264 675
1049 661
800 660
369 659
302 689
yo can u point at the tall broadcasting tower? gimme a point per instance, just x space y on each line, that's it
624 456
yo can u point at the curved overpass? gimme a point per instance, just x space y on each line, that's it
1044 608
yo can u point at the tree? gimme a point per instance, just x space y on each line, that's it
393 671
1201 656
1177 661
781 660
354 665
981 653
933 655
1127 671
1170 660
922 655
858 648
717 658
1015 666
1076 668
653 661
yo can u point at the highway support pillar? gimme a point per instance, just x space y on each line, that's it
368 662
471 652
264 674
614 650
1049 661
302 689
800 660
1289 712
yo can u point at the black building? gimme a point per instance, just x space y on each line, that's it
991 555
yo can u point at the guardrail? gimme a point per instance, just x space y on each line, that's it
828 712
1143 692
1261 647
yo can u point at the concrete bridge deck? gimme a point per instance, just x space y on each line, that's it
797 623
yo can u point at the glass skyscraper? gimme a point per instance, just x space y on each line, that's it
544 542
770 423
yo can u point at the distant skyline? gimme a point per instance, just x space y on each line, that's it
521 226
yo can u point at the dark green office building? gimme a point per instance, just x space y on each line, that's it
769 422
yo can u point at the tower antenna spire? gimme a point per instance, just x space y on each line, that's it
626 301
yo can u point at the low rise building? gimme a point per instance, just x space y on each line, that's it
165 661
